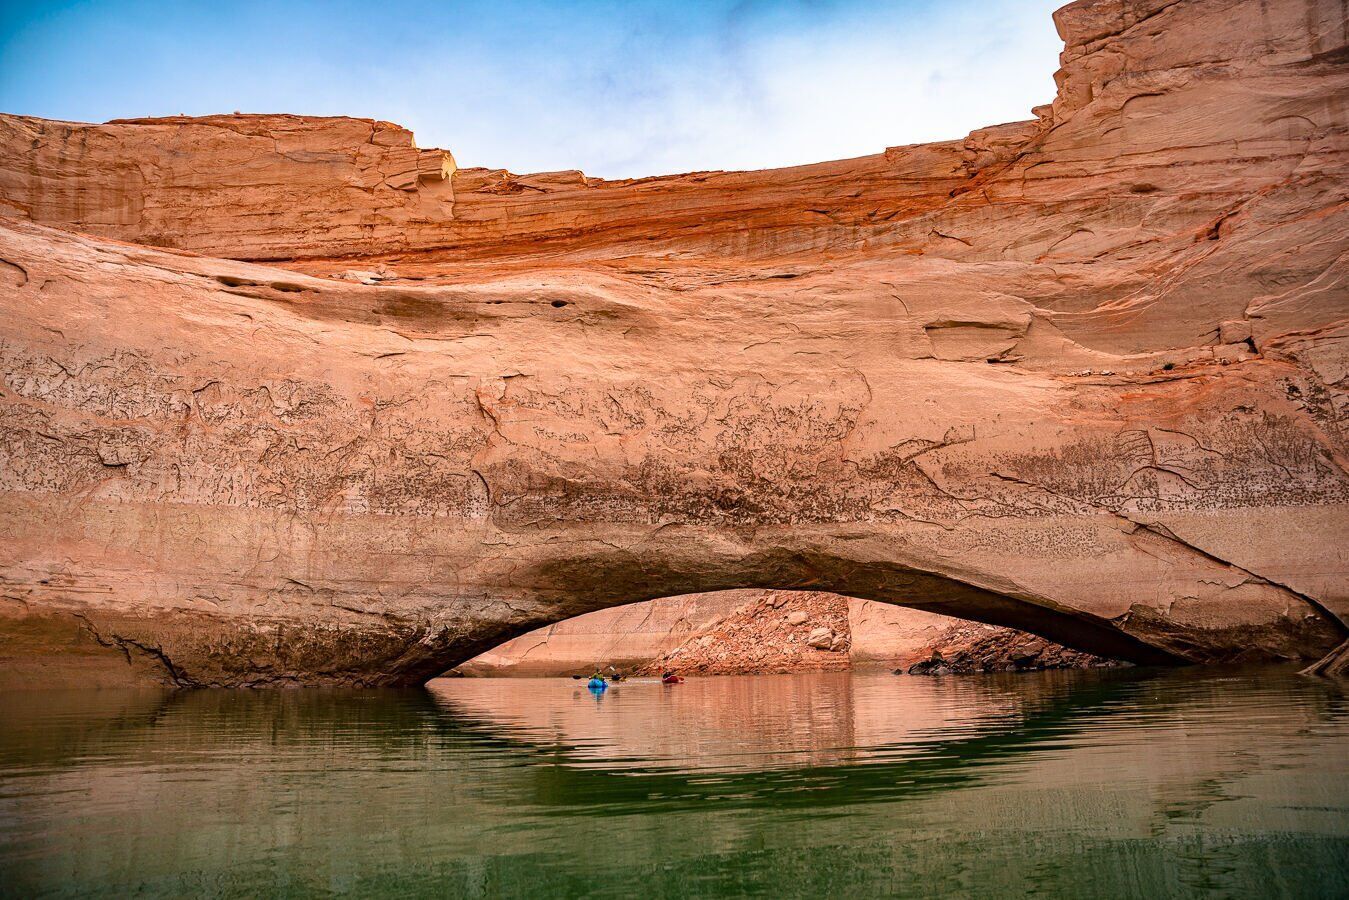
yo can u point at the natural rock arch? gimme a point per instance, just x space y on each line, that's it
884 582
1035 377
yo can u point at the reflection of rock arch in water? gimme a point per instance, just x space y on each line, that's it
421 786
937 738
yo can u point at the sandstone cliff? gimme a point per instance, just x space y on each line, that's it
1082 375
247 187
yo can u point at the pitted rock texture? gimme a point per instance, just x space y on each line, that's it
1083 376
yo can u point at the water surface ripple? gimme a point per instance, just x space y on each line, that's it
1116 783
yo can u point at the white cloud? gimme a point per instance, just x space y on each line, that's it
764 98
619 88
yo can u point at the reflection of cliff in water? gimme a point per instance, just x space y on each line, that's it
749 722
814 739
874 743
450 786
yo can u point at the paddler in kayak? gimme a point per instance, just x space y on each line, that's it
670 678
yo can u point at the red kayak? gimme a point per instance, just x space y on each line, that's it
672 679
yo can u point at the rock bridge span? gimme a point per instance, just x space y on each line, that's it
1083 376
243 487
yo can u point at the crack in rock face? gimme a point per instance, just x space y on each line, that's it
1083 375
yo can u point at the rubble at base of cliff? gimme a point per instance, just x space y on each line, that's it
985 649
781 632
785 631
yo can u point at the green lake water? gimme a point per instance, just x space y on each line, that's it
1121 783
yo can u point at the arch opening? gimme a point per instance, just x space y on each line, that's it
770 632
558 587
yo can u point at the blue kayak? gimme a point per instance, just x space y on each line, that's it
597 684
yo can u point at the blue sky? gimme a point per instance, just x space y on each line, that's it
619 89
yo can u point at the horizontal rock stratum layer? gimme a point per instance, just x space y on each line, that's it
265 187
1083 375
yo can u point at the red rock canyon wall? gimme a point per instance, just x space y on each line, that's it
1083 375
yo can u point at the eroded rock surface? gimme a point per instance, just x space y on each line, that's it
1083 375
246 187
